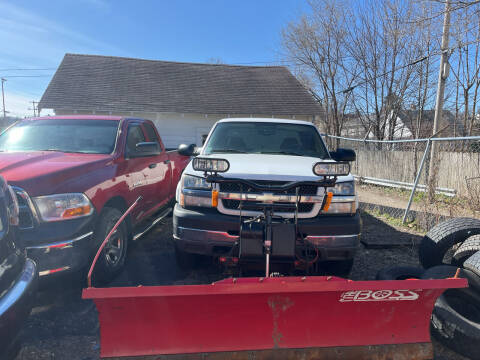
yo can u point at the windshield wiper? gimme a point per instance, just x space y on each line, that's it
233 151
281 153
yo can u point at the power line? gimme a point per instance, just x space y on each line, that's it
344 91
423 58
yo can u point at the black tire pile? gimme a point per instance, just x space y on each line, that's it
448 246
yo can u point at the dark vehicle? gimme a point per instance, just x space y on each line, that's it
18 275
75 175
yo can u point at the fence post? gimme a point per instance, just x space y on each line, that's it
417 178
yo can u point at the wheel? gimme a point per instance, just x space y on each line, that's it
400 273
442 237
467 249
112 258
184 259
341 268
473 264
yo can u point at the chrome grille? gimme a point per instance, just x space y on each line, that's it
232 204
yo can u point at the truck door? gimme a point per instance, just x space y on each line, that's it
159 173
138 168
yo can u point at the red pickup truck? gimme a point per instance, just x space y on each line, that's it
75 175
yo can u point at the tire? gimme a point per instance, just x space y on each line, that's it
467 249
400 273
473 264
453 328
185 260
442 237
448 271
341 268
456 315
112 258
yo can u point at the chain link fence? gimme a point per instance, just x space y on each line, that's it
407 180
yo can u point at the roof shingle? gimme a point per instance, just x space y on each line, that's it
87 82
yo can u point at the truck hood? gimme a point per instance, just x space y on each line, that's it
268 167
44 172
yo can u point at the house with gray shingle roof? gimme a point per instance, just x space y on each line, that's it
183 99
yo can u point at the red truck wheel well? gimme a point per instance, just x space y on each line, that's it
119 203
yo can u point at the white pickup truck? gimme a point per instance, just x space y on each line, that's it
269 165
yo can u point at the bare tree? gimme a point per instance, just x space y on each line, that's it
374 62
465 65
316 45
382 44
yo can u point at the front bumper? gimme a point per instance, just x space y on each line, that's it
206 232
15 306
67 255
59 247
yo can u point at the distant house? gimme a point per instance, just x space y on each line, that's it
421 125
409 124
353 127
183 99
356 127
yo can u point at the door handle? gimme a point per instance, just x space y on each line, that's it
151 166
166 162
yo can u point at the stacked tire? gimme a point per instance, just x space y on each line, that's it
448 246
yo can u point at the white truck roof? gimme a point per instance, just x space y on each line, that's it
269 120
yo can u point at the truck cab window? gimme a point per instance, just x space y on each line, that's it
152 135
134 136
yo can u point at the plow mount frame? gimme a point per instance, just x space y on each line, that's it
269 318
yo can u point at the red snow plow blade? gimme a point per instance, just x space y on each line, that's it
271 318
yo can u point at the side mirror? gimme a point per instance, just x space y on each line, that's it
187 150
343 155
146 149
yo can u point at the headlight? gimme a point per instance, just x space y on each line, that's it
341 208
195 182
195 191
343 188
344 200
63 206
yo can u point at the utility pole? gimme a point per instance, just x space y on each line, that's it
34 108
3 100
442 79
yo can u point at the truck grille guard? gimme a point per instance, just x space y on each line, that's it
324 182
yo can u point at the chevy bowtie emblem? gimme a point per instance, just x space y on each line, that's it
268 198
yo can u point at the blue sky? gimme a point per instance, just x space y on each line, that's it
36 34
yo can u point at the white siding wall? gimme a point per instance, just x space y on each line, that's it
175 128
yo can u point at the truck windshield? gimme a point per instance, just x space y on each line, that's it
65 135
266 138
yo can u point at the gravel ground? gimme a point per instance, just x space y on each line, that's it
62 326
